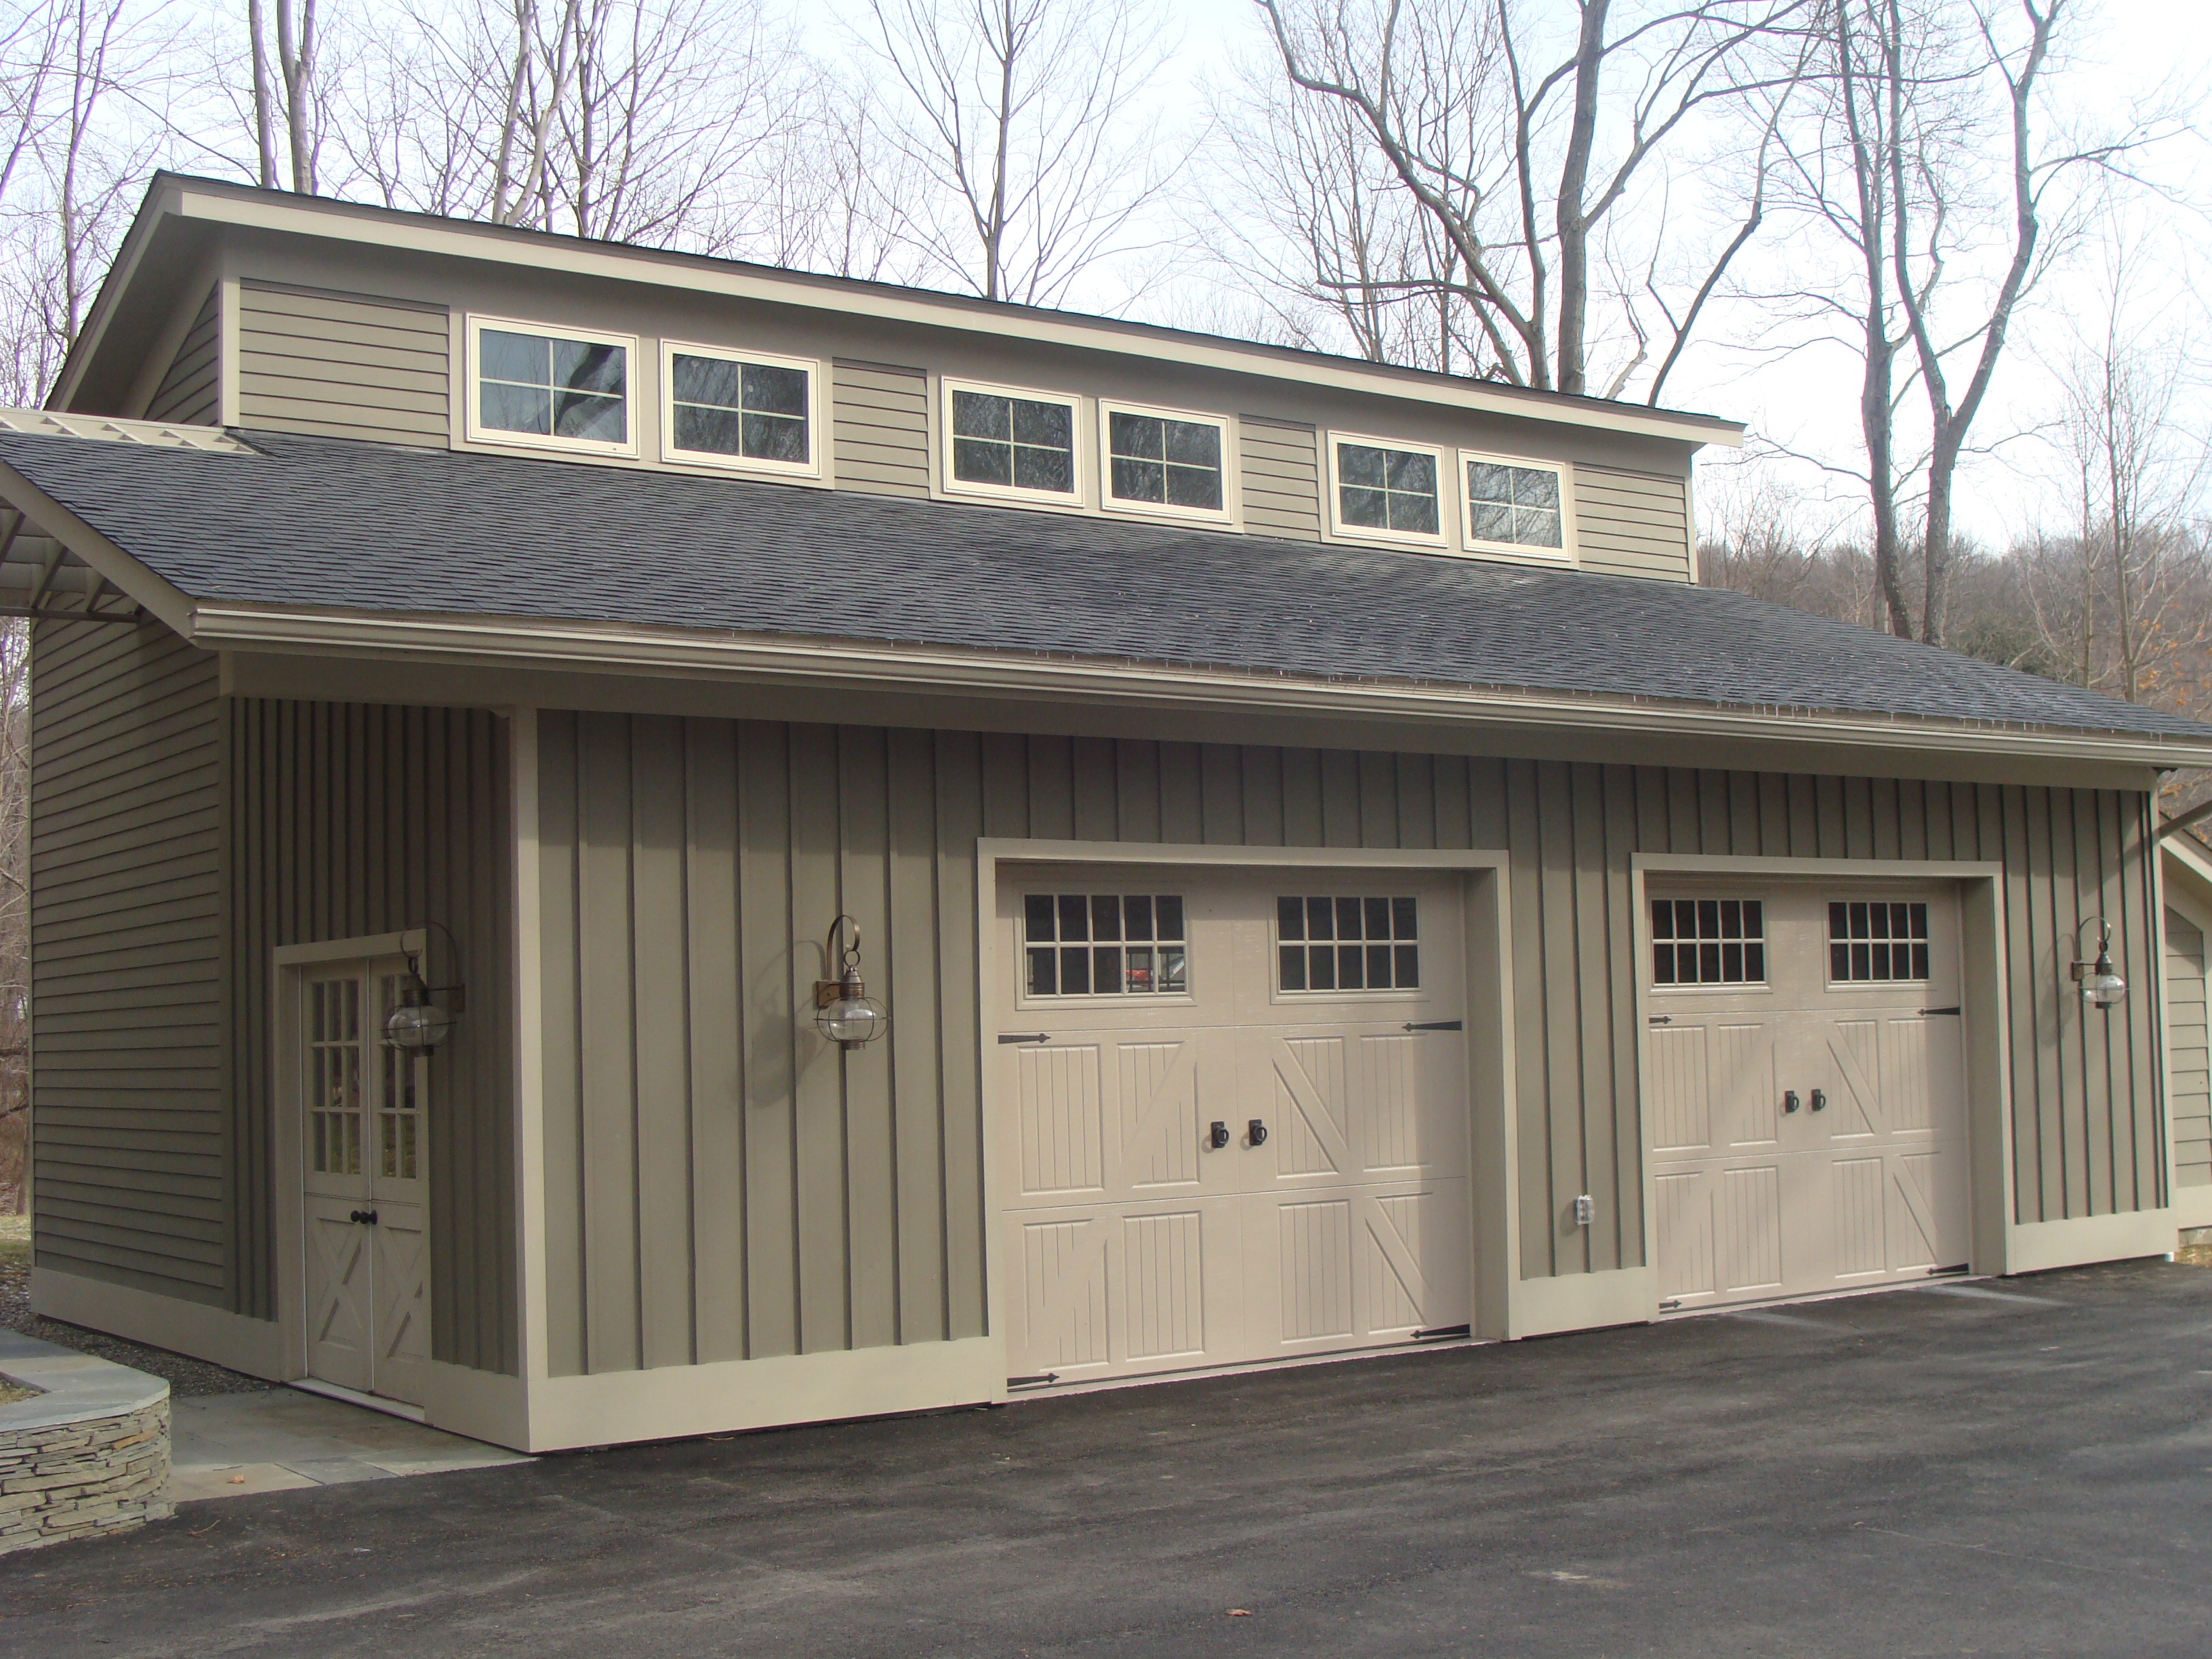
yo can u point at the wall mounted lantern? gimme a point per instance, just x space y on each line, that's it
843 1010
417 1023
2101 985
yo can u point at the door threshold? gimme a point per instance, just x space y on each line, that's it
374 1402
1246 1367
1941 1277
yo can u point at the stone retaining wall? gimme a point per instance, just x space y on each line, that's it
89 1454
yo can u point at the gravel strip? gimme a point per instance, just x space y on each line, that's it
186 1376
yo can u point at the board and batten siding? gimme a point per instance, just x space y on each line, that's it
879 427
719 1185
191 391
1280 461
355 820
343 365
2188 1062
1632 523
129 1132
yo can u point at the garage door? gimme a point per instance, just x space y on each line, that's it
1805 1090
1233 1120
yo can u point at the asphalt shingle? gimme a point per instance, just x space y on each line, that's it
359 526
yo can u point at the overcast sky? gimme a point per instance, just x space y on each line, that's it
1806 400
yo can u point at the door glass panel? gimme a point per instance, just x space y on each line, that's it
1708 941
334 1075
1876 941
1346 943
399 1113
1076 944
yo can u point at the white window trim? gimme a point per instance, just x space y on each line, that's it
815 370
949 485
473 403
1227 513
1444 538
1569 552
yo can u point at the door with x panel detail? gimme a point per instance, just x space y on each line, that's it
1228 1140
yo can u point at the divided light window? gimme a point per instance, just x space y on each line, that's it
1347 943
740 408
1875 942
1383 490
1164 463
1022 444
552 387
1509 504
1708 942
1091 944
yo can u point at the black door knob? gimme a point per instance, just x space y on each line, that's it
1789 1101
1218 1136
1256 1130
1820 1099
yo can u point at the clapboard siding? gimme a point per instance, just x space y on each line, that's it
1632 524
879 420
191 387
2189 1056
352 821
719 1186
1281 465
343 365
126 901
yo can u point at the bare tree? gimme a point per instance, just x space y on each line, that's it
1022 118
1512 148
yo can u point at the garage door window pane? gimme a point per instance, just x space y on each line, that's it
1348 943
1876 943
1103 944
1708 942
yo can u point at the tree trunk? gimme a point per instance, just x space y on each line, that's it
1574 181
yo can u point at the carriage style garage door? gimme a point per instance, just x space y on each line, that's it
1233 1120
1805 1090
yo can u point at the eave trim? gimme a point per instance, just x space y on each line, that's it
825 663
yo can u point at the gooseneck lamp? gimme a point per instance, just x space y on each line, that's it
844 1012
2101 984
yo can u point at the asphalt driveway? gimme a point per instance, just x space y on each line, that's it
2013 1468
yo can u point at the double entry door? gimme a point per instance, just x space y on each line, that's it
365 1178
1805 1087
1233 1121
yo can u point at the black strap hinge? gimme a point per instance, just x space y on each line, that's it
1436 1025
1940 1011
1043 1379
1025 1036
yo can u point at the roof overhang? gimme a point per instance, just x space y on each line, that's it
825 664
177 200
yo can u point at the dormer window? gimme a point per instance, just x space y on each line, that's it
1515 507
1384 491
1165 462
746 409
558 388
1010 443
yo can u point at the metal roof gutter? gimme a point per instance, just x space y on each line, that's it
825 663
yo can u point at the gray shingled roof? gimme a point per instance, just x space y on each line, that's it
358 526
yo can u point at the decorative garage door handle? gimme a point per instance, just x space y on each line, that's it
1256 1132
1789 1100
366 1218
1820 1099
1218 1136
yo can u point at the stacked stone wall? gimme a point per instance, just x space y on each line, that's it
87 1454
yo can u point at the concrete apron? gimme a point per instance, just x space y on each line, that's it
235 1446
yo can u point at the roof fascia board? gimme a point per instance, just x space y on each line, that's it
163 199
842 662
167 603
332 221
